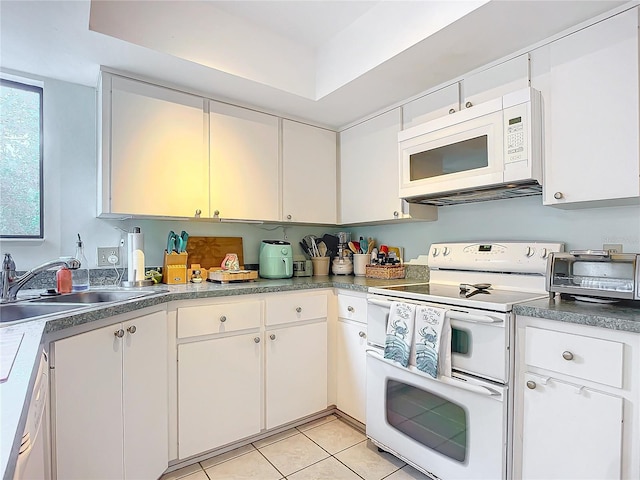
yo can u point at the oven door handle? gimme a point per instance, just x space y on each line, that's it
472 317
479 389
380 303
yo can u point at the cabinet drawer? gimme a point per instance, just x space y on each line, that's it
220 318
353 308
294 308
583 357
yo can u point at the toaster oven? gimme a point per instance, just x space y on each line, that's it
594 274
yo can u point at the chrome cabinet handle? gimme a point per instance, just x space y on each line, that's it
272 336
362 334
468 105
567 355
396 214
351 309
198 213
132 329
223 319
256 339
216 213
289 217
452 110
298 309
531 384
119 333
558 195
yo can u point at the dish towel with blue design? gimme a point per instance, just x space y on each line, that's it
400 332
432 343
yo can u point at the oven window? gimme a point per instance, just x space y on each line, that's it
459 341
433 421
458 157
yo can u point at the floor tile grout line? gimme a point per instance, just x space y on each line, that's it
271 463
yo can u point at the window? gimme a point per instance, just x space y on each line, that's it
21 214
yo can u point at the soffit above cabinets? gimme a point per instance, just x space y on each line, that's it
330 63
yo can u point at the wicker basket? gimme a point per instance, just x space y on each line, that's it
384 271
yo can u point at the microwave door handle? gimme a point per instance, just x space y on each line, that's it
472 317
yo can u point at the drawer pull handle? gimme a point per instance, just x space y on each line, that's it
256 339
362 334
567 355
351 309
272 336
298 309
132 329
223 319
531 384
119 333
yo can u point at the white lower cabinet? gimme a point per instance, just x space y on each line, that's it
570 431
109 397
351 345
352 367
296 372
576 397
219 392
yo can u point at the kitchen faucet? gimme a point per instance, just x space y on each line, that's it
10 283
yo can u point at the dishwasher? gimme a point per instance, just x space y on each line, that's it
33 458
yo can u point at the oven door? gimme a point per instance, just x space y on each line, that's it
449 429
479 339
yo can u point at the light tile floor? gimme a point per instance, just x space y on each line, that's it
325 449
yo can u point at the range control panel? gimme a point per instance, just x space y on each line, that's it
520 257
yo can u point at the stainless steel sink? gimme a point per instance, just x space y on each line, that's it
96 296
12 312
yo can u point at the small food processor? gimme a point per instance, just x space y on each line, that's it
342 264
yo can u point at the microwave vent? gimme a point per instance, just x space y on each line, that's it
494 192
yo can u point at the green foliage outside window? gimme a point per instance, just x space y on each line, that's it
20 160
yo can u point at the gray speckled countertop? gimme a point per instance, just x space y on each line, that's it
617 316
17 389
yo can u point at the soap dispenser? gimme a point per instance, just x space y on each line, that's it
80 276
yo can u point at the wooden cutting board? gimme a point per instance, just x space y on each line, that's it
209 252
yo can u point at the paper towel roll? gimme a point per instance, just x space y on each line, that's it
135 261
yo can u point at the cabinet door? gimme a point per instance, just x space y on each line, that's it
219 392
145 399
431 106
244 163
296 372
352 368
592 123
369 170
158 143
570 432
308 173
496 81
87 406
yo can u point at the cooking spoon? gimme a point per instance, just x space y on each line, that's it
478 286
354 247
322 248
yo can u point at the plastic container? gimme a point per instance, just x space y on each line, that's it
80 276
63 280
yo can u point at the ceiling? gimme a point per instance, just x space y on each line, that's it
326 62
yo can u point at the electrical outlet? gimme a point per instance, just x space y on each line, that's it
612 247
108 256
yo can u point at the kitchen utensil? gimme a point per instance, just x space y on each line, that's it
371 245
464 287
354 247
171 241
305 249
331 241
364 245
322 248
184 238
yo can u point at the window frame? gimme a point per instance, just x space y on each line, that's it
40 91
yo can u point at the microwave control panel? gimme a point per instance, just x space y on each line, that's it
516 119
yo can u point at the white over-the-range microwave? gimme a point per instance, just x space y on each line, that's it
488 151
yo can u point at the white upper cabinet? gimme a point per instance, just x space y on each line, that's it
244 156
153 152
369 173
589 82
474 89
308 173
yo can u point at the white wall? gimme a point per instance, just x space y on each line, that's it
70 206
